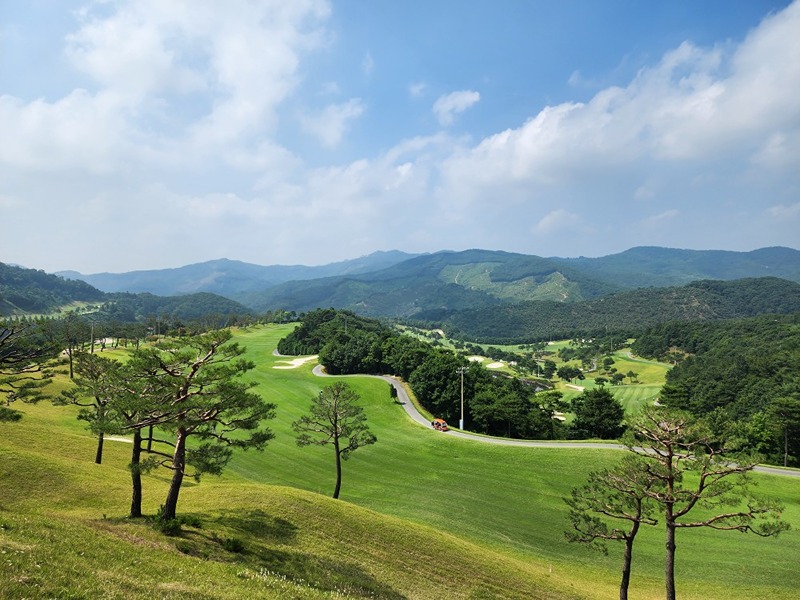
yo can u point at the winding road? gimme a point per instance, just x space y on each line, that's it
411 411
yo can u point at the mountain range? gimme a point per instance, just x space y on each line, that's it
487 295
398 284
229 277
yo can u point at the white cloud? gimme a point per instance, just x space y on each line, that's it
180 124
446 107
368 64
696 112
83 131
331 123
660 219
556 220
147 61
785 212
416 90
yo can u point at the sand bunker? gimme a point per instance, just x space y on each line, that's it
294 363
495 365
475 358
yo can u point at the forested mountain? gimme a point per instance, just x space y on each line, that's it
32 291
436 284
229 278
624 312
395 284
26 291
660 267
188 307
442 281
491 295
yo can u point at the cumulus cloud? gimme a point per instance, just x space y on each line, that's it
696 112
148 60
447 107
330 124
181 118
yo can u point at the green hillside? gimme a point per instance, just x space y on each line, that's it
626 312
28 291
662 267
433 286
445 281
61 535
423 515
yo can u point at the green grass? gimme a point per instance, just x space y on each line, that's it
424 515
508 498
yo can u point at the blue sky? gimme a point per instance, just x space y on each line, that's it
150 134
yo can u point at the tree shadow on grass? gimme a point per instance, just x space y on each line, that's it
259 540
259 523
261 543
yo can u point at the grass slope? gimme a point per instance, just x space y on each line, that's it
424 516
62 535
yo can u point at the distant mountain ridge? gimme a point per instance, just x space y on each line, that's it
448 281
646 266
28 291
397 284
229 277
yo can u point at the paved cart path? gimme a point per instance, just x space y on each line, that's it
411 411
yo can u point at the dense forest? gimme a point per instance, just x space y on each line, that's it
499 405
32 291
137 307
25 291
741 374
625 313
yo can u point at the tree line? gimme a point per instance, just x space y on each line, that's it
742 375
498 404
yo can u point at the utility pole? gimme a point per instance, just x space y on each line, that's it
461 370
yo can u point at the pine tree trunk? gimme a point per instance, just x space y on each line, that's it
338 468
98 457
669 568
136 475
178 469
626 563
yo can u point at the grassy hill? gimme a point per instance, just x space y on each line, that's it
423 515
61 536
